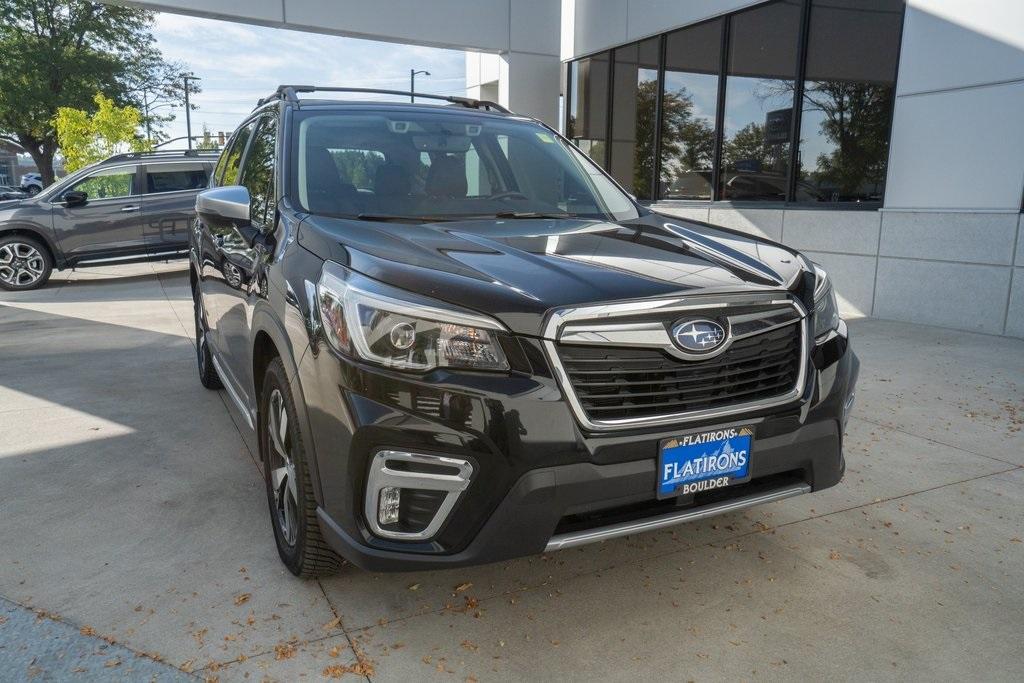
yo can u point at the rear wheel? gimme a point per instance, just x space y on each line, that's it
33 190
300 542
24 263
208 376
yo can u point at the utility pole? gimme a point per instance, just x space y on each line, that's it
188 108
412 82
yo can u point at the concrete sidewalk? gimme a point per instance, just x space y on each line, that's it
132 508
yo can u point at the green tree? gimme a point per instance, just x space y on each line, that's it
87 138
60 53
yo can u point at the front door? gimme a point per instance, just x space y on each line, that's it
243 264
109 223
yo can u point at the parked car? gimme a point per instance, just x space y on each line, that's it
7 193
458 340
32 184
128 208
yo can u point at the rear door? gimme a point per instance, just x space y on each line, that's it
109 224
169 202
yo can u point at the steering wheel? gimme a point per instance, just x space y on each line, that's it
511 194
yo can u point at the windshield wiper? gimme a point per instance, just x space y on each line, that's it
397 219
533 214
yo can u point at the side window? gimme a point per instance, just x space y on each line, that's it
107 183
175 177
231 157
258 172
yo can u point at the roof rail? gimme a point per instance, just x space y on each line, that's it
162 154
289 93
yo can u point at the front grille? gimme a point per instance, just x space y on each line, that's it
622 383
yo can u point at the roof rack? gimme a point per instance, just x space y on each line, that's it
289 93
162 154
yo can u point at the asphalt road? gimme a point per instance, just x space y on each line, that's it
135 540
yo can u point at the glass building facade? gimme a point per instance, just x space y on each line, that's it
789 101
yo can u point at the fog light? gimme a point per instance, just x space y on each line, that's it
409 496
390 499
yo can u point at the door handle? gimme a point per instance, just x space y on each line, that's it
126 209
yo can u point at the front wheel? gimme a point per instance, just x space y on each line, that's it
24 263
300 542
33 190
208 376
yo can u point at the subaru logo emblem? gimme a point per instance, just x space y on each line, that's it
698 336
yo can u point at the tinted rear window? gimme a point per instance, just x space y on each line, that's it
175 178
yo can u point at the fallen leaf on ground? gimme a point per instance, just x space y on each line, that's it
242 598
284 651
463 587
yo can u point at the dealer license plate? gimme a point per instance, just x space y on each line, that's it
704 460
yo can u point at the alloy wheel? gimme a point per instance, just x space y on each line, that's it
282 470
200 337
21 265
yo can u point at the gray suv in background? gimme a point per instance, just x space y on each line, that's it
128 208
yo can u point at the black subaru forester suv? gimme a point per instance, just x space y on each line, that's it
460 341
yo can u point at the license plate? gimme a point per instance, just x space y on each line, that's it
704 460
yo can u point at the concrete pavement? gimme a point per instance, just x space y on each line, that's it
132 509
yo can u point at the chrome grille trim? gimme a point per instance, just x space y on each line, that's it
602 316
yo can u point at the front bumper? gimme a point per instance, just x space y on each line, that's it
540 482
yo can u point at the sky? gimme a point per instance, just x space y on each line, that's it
239 64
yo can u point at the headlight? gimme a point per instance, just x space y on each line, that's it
826 310
402 330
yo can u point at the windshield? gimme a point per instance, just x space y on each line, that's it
445 165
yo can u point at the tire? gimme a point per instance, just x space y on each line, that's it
25 263
208 376
32 190
300 542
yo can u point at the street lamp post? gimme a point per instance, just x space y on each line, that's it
412 82
188 109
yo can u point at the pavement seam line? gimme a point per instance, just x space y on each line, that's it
341 622
60 619
935 441
710 544
307 641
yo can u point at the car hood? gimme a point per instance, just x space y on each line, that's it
519 269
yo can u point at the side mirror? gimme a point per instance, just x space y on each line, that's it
75 198
224 206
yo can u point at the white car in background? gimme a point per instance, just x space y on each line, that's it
32 184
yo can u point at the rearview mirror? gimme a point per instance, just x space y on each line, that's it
75 198
223 205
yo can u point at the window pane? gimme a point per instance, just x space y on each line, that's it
258 174
634 102
227 165
759 102
692 58
175 178
107 184
848 95
588 106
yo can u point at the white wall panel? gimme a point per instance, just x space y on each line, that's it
481 24
270 12
599 24
961 149
647 17
535 26
956 43
965 237
965 296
